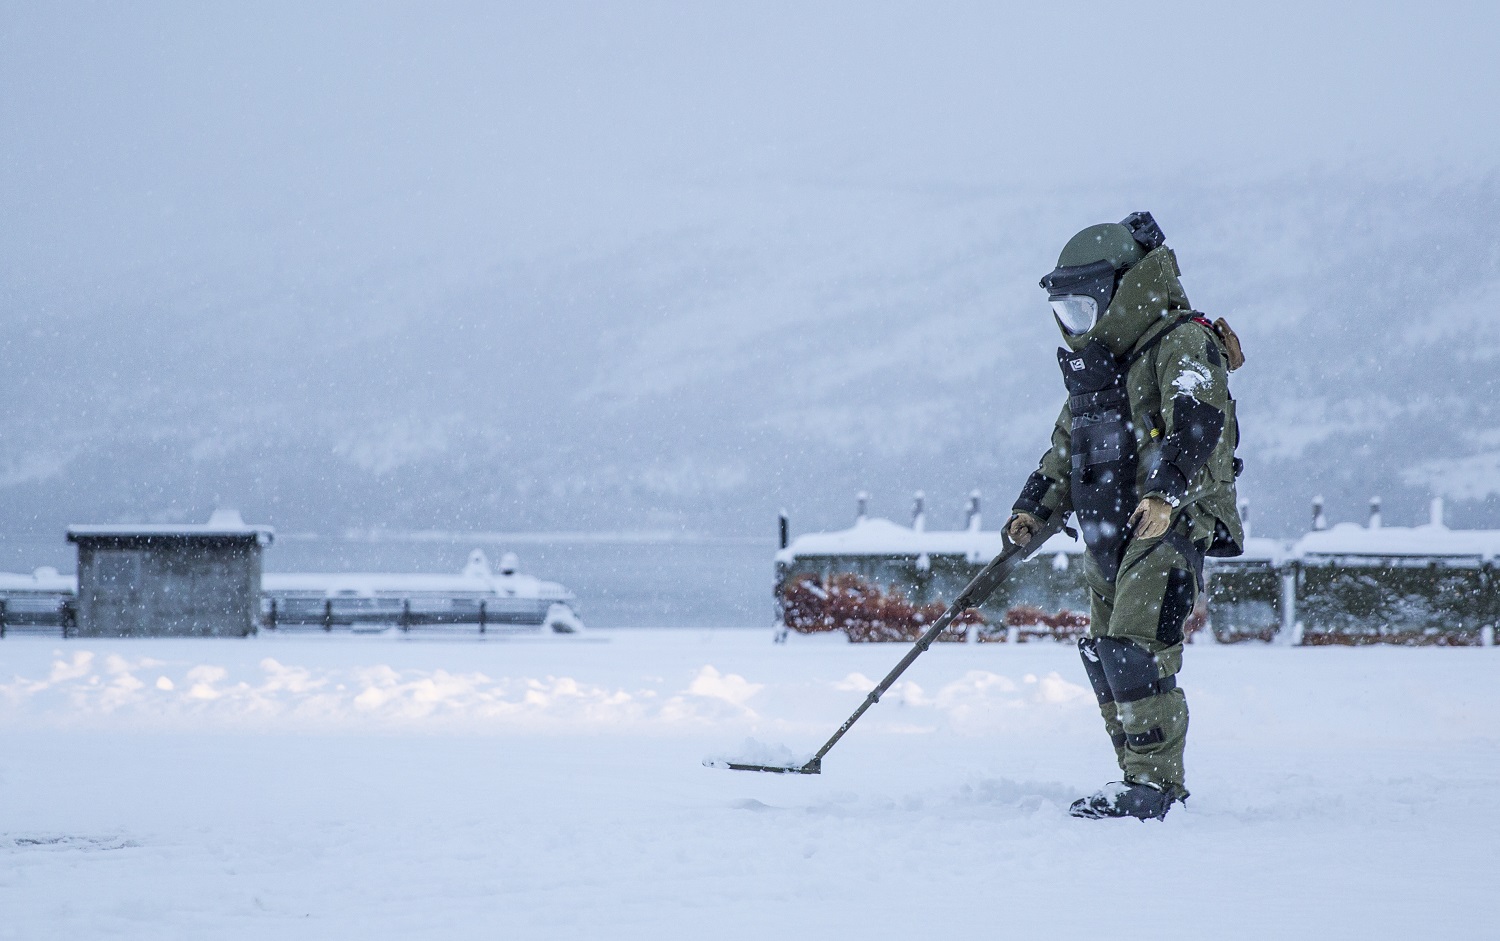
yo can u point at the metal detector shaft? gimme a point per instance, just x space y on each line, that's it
977 592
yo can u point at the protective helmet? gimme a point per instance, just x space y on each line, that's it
1088 271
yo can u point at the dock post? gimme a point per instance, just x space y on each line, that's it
328 616
1289 607
481 615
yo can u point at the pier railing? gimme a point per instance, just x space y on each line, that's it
407 614
45 614
56 615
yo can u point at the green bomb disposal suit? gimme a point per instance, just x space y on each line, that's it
1148 414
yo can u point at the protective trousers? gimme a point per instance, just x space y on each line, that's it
1133 652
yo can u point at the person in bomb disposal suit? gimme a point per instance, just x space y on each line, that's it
1143 453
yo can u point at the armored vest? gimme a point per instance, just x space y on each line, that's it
1103 450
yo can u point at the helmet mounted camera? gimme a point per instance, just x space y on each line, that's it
1144 230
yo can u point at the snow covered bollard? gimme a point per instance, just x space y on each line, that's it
561 619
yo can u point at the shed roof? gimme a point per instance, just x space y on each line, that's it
881 537
223 525
1432 540
876 536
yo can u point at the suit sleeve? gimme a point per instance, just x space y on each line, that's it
1047 490
1194 393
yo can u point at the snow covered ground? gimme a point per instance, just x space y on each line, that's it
306 787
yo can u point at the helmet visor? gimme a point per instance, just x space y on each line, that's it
1080 295
1076 312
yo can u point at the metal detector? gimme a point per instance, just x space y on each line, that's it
978 591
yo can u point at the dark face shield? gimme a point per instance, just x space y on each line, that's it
1080 295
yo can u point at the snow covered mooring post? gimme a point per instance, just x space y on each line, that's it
1290 635
151 581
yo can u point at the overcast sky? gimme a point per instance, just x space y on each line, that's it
667 250
144 132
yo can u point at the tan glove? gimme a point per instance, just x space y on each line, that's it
1022 527
1151 518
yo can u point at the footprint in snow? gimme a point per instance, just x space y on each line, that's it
750 803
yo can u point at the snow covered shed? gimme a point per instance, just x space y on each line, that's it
879 580
1350 584
1247 597
1402 584
186 580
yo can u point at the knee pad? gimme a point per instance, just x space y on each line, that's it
1095 670
1130 670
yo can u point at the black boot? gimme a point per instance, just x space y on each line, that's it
1121 799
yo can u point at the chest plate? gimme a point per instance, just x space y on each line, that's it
1103 450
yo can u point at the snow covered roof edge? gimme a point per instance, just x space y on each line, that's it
222 524
1428 540
875 536
881 537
